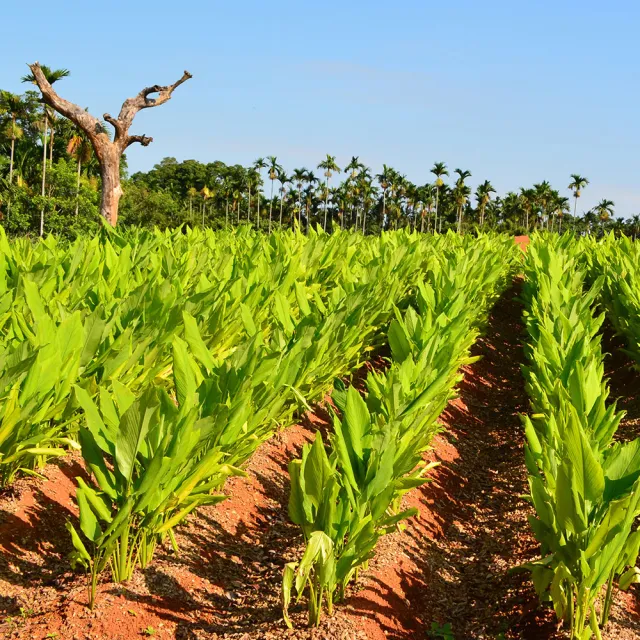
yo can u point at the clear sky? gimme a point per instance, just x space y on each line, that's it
516 92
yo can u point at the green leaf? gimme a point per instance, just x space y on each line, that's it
134 426
183 374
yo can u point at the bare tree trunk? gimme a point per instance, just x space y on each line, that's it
111 189
281 205
108 152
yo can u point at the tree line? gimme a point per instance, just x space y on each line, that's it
50 181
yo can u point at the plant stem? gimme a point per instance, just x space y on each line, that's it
123 556
594 622
608 599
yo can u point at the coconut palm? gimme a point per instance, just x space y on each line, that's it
52 77
542 197
439 169
206 194
311 180
15 106
258 166
384 180
483 196
250 177
329 165
604 210
298 178
578 183
236 195
192 193
561 206
462 193
274 169
352 170
282 179
426 199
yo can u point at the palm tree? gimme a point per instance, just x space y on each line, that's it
439 169
462 193
526 199
426 198
274 169
16 107
352 169
236 201
604 210
310 179
79 148
577 184
282 179
483 196
542 196
249 178
384 179
562 207
298 178
52 77
329 165
192 193
258 165
206 194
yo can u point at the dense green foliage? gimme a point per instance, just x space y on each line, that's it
585 486
619 262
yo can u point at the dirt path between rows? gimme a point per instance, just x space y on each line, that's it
448 566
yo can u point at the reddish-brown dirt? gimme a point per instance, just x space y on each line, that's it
448 566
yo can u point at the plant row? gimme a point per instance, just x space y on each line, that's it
347 494
618 260
584 485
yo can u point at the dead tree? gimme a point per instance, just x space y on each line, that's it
108 152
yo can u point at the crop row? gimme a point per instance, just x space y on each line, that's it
346 497
584 485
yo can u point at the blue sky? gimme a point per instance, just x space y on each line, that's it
516 92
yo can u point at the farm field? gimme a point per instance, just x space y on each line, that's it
214 434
